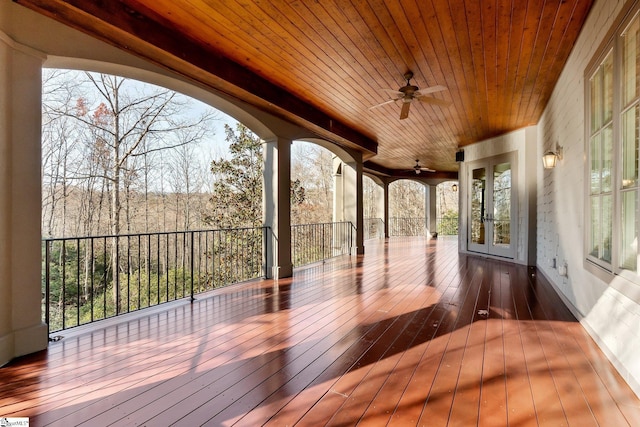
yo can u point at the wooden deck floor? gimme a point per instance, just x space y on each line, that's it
410 334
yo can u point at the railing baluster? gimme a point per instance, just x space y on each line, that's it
139 271
166 265
149 270
93 275
105 276
78 281
128 274
116 273
175 269
192 260
238 254
265 236
159 269
47 285
64 283
183 268
316 242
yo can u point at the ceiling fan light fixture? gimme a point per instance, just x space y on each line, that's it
409 92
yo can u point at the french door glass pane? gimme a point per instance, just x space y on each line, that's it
607 88
596 101
628 244
502 204
629 241
594 250
607 158
607 227
630 147
595 164
478 204
630 62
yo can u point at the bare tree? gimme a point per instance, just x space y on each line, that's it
187 179
119 124
311 167
115 126
406 199
369 198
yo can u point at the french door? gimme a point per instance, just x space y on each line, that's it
492 206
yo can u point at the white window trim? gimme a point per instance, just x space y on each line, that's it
612 42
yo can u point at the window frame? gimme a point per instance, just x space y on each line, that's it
612 44
598 261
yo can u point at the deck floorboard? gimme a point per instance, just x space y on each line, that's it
411 333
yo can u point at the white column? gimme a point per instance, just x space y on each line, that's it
352 199
382 206
338 189
277 206
430 208
531 166
21 328
385 207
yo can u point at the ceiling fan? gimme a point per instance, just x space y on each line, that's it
418 169
410 92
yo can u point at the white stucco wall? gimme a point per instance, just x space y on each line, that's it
609 311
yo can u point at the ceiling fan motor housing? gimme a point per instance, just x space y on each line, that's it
408 92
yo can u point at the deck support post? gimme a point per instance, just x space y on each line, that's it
22 330
276 206
348 199
430 199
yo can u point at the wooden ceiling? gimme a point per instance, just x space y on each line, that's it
323 64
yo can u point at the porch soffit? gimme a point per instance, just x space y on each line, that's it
322 65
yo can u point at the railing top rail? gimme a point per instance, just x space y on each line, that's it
110 236
322 223
406 217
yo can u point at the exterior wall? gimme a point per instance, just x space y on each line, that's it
609 311
525 179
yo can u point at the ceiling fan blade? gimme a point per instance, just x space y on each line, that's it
404 113
431 89
434 101
384 103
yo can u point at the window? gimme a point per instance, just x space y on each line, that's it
601 155
629 158
613 149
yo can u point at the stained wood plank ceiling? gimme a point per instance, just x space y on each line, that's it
323 64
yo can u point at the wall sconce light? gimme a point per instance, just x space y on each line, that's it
551 157
454 188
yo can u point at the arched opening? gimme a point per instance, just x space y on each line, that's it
447 196
123 156
373 207
129 179
407 208
312 180
156 218
323 223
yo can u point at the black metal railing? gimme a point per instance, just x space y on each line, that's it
447 226
86 279
407 226
373 228
315 242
